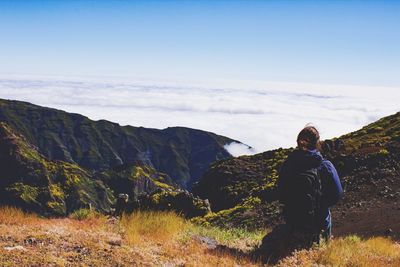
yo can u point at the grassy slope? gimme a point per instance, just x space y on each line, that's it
155 239
375 135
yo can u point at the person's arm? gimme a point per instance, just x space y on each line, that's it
332 188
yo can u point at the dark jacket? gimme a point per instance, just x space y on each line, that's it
331 188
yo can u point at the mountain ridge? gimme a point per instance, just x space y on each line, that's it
183 153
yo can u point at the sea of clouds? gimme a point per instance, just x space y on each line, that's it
263 115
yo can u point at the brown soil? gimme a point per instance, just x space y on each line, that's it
367 218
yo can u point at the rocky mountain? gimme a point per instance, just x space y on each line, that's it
182 153
242 190
51 187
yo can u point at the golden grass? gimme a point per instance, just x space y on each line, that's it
15 216
139 239
152 225
349 251
353 251
161 238
173 237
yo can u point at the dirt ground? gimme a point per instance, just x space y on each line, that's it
367 218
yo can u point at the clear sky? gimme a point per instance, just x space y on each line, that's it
346 42
256 71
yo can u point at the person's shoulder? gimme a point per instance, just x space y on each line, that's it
326 162
327 165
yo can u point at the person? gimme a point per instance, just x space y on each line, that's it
308 186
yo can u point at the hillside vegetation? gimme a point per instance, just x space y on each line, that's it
44 157
182 153
160 239
31 181
56 188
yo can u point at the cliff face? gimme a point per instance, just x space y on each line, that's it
182 153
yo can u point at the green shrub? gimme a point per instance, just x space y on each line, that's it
83 214
383 152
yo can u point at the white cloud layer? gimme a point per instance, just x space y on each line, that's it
237 149
260 114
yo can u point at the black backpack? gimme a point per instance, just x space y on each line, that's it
303 200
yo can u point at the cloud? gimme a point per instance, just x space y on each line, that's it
264 115
238 149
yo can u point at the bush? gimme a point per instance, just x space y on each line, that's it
84 214
383 152
229 237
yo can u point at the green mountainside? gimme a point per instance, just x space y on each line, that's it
182 153
31 181
57 188
242 191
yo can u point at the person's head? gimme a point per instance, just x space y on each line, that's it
308 138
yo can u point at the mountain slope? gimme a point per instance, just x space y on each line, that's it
182 153
51 187
30 181
242 190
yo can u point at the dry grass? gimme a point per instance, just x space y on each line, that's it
349 251
156 226
143 238
352 251
15 216
159 239
173 238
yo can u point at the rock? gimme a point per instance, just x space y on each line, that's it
81 250
207 241
180 201
30 241
115 241
9 248
388 232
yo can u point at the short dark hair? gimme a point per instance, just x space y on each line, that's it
308 138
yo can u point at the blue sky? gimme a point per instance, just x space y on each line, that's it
345 42
256 71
